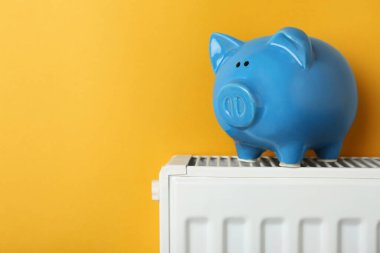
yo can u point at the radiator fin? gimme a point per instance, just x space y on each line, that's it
234 235
349 236
267 161
272 236
196 231
310 236
378 237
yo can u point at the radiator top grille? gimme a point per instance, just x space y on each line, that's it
268 161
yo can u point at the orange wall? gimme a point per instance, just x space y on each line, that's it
96 95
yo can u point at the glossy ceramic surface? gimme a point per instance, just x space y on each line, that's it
287 93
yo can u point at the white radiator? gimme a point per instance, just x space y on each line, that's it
222 205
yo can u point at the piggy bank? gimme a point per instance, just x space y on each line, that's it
287 93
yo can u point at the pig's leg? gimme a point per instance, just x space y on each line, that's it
248 153
329 153
291 155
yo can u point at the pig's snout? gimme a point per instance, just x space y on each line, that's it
236 105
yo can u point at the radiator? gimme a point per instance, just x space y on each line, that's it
214 204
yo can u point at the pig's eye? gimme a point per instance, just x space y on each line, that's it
246 63
238 64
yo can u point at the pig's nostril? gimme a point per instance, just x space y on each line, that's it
228 106
240 106
238 64
246 63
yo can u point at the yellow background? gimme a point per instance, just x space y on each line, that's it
96 95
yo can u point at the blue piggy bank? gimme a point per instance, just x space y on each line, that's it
287 93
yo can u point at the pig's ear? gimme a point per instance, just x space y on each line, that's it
220 46
296 43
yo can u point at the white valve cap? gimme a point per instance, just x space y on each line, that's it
155 190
